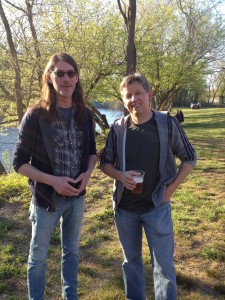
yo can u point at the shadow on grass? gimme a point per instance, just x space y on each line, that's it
189 283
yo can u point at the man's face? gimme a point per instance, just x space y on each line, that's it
64 80
135 99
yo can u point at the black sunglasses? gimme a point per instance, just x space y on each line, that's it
61 74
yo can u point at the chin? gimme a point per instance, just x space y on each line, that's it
66 95
135 112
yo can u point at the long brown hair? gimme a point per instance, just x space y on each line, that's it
47 99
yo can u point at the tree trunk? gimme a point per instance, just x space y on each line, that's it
131 48
99 118
17 84
166 102
129 20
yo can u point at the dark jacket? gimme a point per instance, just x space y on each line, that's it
35 146
173 143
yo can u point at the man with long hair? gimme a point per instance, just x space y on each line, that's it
56 150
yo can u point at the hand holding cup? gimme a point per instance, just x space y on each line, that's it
138 179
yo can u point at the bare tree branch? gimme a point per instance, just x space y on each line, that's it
15 6
123 13
36 43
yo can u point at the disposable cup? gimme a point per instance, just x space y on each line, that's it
138 179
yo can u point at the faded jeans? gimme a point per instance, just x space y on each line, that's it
157 224
70 213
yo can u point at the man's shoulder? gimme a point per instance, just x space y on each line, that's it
161 116
32 116
164 115
121 121
35 111
119 125
161 113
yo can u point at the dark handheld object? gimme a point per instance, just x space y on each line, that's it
75 185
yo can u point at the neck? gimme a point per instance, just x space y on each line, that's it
64 102
140 119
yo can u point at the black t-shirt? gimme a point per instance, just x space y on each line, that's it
142 153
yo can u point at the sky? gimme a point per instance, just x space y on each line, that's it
222 8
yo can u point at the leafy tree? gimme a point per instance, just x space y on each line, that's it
216 84
14 62
173 46
82 29
95 46
176 44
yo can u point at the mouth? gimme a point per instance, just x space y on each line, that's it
136 105
66 86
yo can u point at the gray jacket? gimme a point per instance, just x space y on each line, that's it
173 143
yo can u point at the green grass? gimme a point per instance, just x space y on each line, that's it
198 209
13 188
214 252
5 226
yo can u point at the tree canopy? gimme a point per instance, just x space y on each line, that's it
175 44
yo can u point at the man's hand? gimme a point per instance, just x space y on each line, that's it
184 170
125 177
169 192
128 180
83 180
64 186
61 184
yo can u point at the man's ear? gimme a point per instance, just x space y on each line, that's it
150 93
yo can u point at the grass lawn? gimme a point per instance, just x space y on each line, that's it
199 226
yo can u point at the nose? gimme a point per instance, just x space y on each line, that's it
66 76
66 79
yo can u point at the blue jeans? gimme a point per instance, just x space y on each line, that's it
70 212
158 227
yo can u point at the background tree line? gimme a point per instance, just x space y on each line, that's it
177 44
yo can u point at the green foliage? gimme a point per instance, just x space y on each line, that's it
176 45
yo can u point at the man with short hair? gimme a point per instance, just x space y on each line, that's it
146 140
56 150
